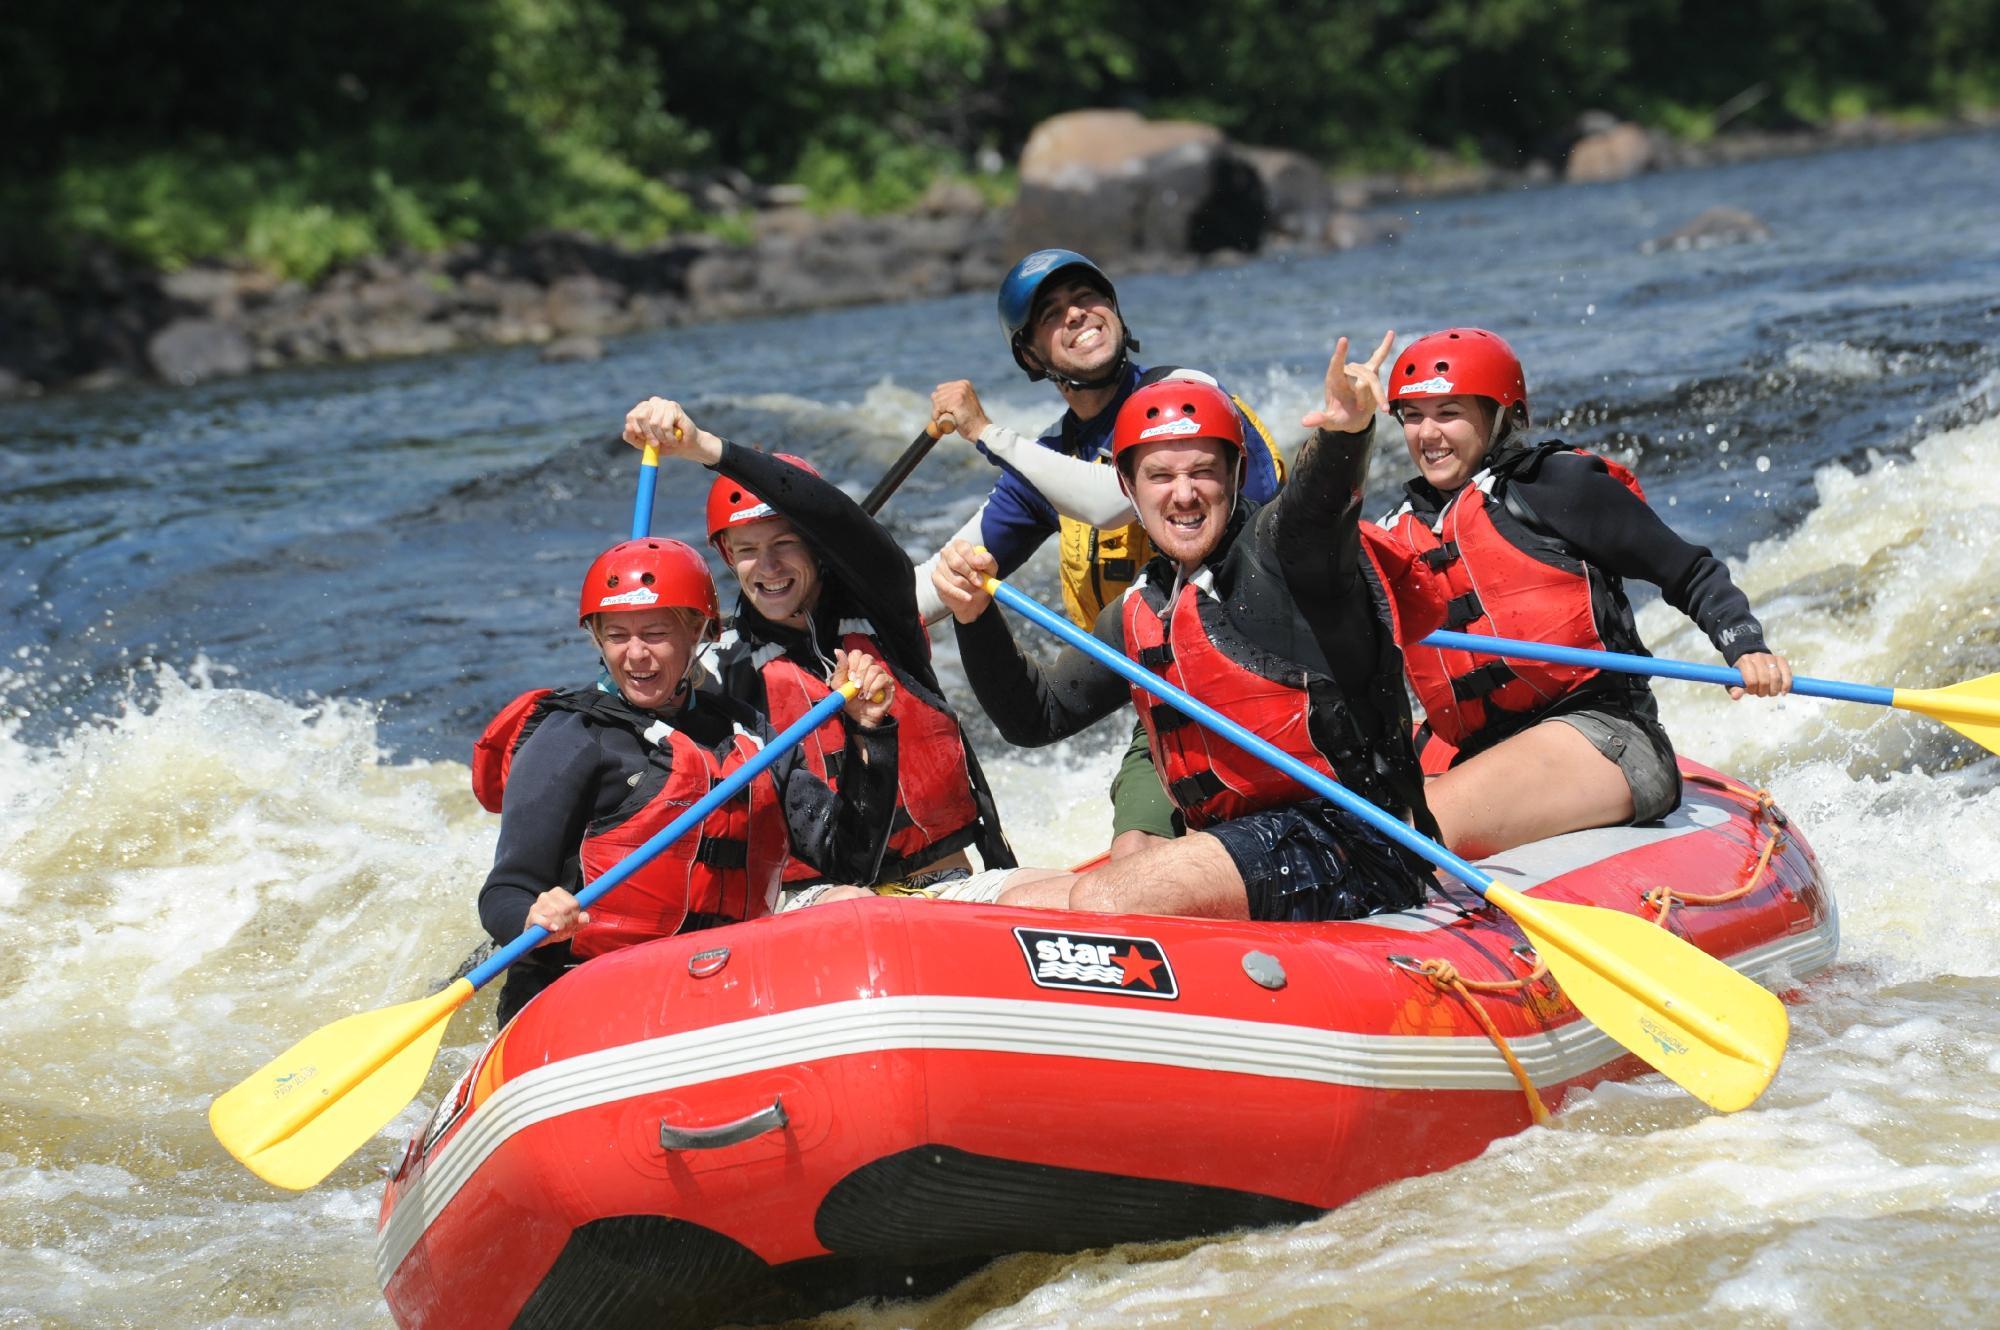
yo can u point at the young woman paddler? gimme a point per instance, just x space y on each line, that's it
1534 541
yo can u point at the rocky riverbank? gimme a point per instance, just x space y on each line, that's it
1133 193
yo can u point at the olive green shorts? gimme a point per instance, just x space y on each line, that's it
1138 801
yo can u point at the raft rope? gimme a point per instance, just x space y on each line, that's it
1769 817
1445 977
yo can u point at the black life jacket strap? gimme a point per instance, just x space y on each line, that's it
722 852
1462 610
1442 557
1193 791
1475 684
1166 720
1156 658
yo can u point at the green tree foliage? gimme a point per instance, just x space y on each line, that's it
300 136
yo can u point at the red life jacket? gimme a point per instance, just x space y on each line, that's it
729 867
1521 582
935 810
1193 646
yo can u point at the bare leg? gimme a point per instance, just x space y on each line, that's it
1540 783
1192 876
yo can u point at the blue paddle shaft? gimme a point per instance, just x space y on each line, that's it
725 790
1666 669
642 504
1195 709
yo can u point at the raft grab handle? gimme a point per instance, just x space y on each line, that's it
729 1133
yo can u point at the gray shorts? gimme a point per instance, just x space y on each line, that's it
1641 751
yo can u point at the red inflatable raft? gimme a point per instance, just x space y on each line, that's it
763 1119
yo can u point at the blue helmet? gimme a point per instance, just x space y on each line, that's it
1024 282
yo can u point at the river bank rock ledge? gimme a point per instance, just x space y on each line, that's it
1131 192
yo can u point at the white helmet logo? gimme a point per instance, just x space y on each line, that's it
638 595
751 514
1035 264
1185 425
1434 387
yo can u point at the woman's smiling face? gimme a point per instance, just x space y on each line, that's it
1447 436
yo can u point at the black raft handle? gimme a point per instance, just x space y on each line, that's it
729 1133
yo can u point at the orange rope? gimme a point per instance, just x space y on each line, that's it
1664 899
1445 975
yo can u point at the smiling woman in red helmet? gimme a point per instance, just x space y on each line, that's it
583 777
1534 541
819 575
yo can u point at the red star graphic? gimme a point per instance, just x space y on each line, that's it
1137 967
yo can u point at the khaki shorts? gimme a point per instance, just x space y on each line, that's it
1641 751
1138 801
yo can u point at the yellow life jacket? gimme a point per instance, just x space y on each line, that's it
1098 563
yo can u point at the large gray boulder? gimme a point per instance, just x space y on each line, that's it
1617 153
1298 196
1114 184
193 350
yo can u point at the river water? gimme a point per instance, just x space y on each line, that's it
248 632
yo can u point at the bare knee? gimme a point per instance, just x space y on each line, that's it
1134 842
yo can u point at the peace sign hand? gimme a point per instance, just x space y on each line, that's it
1353 391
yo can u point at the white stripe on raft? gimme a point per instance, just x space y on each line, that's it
1147 1034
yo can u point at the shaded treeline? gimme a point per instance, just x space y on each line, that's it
300 135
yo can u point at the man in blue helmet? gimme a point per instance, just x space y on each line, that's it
1060 313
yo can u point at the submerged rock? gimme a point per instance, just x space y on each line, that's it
1717 226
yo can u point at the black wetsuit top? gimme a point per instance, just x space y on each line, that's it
1295 584
864 575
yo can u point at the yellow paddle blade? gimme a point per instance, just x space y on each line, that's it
1712 1031
1971 708
306 1110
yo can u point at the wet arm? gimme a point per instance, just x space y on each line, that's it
1313 525
1029 705
1618 531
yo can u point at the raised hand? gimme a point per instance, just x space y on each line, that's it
958 402
1353 391
661 423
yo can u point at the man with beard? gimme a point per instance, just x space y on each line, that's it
1273 613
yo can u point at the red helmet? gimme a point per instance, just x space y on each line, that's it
649 574
731 504
1459 361
1175 409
